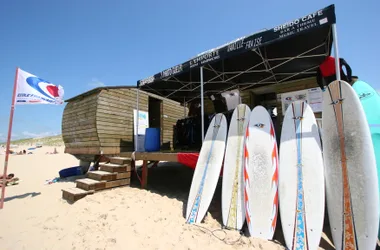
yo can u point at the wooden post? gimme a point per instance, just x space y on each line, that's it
7 150
133 165
144 179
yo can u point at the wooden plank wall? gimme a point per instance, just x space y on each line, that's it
103 122
114 118
79 125
171 112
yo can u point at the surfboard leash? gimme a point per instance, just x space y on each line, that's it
224 240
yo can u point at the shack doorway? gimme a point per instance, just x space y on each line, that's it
155 114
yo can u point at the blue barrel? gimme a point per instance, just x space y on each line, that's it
152 139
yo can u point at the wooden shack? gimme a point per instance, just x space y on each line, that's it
101 121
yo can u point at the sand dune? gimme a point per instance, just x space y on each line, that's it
36 217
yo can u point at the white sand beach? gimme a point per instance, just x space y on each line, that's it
36 217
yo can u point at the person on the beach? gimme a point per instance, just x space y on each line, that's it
52 153
8 179
326 72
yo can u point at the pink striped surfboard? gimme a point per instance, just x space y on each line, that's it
261 175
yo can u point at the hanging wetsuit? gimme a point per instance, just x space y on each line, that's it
326 72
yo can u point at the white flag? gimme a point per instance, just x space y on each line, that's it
33 90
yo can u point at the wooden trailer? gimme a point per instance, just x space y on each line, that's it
101 121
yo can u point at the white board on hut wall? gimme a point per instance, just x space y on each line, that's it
312 96
233 98
139 133
315 99
289 97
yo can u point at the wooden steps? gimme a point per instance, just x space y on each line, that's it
100 175
116 173
73 194
90 184
120 160
111 167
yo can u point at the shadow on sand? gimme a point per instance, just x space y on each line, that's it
168 179
22 196
174 180
67 179
72 178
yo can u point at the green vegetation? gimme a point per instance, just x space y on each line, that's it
44 141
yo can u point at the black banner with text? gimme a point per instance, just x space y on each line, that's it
314 20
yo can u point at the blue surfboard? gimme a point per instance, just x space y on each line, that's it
370 100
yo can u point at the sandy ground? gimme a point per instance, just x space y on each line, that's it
36 217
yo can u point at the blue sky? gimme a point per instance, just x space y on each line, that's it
84 44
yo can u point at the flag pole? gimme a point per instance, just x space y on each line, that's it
8 141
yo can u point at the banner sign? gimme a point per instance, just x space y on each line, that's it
34 90
320 18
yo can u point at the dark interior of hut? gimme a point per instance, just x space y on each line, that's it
188 130
155 108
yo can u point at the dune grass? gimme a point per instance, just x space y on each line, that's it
44 141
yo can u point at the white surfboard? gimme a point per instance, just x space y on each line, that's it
233 211
301 185
207 170
351 175
261 175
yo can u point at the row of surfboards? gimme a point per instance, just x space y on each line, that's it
258 181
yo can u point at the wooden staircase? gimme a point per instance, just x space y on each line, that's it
115 173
